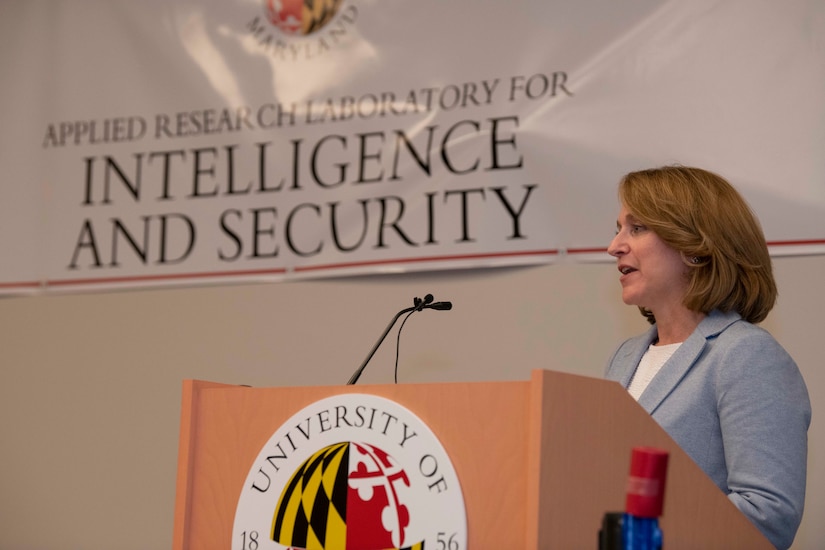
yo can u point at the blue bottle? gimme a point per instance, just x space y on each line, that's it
640 533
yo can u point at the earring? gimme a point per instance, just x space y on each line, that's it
696 260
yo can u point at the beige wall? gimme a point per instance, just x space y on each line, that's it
90 383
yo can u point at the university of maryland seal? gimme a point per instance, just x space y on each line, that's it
303 30
351 472
301 17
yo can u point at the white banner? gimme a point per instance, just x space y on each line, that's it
183 142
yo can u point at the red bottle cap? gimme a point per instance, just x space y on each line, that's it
646 484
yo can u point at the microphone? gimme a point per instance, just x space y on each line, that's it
421 304
418 305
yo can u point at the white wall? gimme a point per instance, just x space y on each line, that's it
90 384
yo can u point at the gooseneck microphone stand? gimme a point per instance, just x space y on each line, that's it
418 305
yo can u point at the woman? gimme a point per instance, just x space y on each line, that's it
693 258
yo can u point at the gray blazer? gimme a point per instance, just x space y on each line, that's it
735 401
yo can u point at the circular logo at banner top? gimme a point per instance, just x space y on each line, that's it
301 17
351 472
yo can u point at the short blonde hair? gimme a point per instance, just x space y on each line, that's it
702 216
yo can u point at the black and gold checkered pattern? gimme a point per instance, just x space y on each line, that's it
312 511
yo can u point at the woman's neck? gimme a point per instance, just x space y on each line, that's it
675 326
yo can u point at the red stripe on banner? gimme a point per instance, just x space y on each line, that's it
282 271
429 259
174 276
21 284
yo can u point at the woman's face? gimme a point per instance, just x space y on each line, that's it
653 274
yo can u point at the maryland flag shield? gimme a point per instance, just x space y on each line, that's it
351 472
340 482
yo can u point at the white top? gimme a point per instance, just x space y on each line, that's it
651 363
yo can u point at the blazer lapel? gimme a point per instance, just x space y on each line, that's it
628 357
675 369
672 372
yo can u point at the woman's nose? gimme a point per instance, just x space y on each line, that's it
617 246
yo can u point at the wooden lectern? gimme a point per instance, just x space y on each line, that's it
539 461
